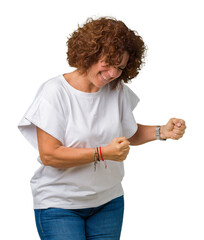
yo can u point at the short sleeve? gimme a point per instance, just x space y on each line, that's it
46 114
129 101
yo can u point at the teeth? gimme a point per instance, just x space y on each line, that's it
104 77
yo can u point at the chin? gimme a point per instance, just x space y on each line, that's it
99 84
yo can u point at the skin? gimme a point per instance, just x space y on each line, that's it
97 76
53 153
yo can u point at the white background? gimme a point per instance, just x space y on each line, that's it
164 180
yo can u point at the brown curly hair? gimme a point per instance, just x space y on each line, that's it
109 38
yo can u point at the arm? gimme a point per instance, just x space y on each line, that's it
174 129
143 135
54 154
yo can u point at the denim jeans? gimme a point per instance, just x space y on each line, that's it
99 223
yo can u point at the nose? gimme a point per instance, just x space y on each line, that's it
113 72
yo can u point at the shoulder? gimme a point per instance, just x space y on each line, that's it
126 89
123 90
128 96
51 88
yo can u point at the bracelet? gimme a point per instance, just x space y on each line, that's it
96 158
97 154
157 133
102 157
101 154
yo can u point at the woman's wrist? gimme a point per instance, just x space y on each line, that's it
104 153
162 132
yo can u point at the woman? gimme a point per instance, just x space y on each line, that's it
82 124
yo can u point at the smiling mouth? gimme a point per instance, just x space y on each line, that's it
104 78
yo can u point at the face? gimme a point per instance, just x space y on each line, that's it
100 73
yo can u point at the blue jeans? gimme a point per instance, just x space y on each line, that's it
100 223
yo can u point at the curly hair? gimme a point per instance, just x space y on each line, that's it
109 38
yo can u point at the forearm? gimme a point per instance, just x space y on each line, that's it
54 154
65 157
143 135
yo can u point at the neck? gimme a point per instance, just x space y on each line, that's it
80 82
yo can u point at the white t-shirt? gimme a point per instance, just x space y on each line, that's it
79 120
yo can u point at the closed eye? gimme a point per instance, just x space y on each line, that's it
121 69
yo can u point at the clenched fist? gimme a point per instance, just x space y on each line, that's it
117 150
174 129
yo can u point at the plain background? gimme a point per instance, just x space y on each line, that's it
163 184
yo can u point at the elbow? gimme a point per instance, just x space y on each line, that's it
134 139
46 159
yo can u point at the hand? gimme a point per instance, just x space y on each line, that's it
117 150
174 129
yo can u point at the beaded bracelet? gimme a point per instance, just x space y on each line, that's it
96 157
